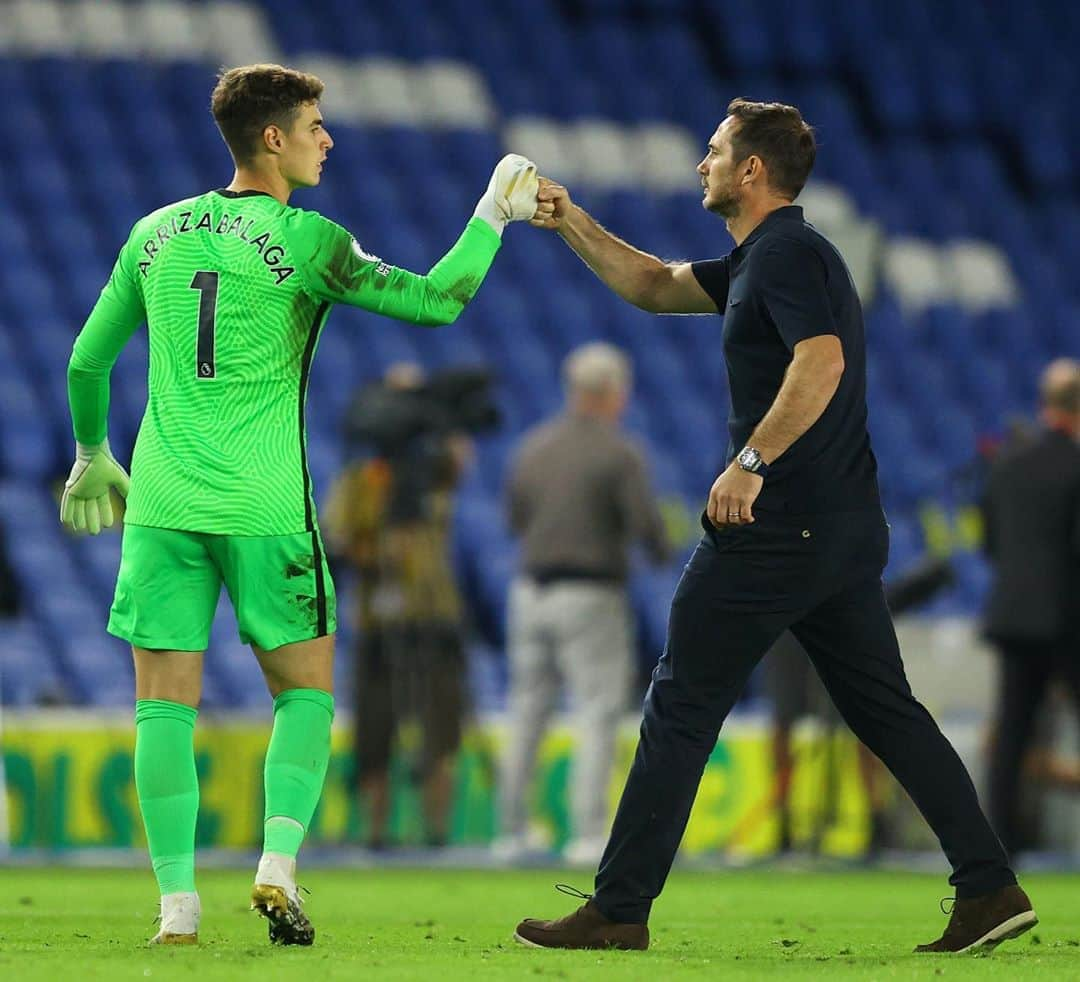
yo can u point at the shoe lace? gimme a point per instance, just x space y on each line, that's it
951 901
571 891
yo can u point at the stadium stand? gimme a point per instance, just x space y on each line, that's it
953 188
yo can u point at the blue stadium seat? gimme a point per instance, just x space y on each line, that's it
99 557
984 381
26 445
908 100
28 673
810 48
101 668
235 670
651 591
469 153
973 579
955 432
905 542
893 87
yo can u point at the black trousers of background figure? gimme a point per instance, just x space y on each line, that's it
1027 668
820 576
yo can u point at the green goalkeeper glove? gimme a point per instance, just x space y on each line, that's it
511 193
85 506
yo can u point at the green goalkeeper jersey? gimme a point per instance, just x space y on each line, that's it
235 288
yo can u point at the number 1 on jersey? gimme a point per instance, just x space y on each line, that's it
207 285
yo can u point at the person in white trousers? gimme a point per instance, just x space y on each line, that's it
579 497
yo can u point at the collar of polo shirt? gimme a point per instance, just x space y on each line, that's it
789 213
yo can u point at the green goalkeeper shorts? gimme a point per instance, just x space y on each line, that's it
170 581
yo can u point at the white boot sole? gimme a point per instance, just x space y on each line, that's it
1005 931
525 941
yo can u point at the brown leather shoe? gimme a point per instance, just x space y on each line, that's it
984 922
585 928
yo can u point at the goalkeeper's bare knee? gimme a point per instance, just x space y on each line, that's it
300 665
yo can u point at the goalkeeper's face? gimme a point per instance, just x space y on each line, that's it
718 174
304 148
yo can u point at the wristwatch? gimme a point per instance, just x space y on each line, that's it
750 460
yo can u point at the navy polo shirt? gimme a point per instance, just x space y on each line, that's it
786 283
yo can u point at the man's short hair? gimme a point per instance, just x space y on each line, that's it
780 137
596 368
1059 386
248 99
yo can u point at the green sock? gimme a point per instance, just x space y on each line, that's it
295 766
168 789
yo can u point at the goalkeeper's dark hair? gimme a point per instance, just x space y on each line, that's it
780 137
248 99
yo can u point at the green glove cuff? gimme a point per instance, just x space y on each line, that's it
86 451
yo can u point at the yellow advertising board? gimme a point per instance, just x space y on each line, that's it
70 785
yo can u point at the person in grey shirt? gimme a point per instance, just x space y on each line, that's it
579 497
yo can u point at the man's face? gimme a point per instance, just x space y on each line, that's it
305 148
718 173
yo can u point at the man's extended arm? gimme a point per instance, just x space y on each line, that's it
642 279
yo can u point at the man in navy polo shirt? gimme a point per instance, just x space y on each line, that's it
794 539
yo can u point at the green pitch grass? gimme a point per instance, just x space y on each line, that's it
75 925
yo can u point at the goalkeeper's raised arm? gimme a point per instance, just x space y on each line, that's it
337 269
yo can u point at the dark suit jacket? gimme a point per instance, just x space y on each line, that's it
1032 519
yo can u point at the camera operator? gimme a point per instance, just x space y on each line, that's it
388 517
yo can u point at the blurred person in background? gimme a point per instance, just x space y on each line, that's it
794 538
388 517
578 498
1031 514
235 287
796 691
11 590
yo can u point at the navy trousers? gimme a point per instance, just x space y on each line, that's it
820 576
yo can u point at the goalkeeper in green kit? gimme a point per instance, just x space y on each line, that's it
235 286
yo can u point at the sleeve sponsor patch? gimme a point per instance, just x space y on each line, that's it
366 256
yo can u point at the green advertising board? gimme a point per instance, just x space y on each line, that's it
70 785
